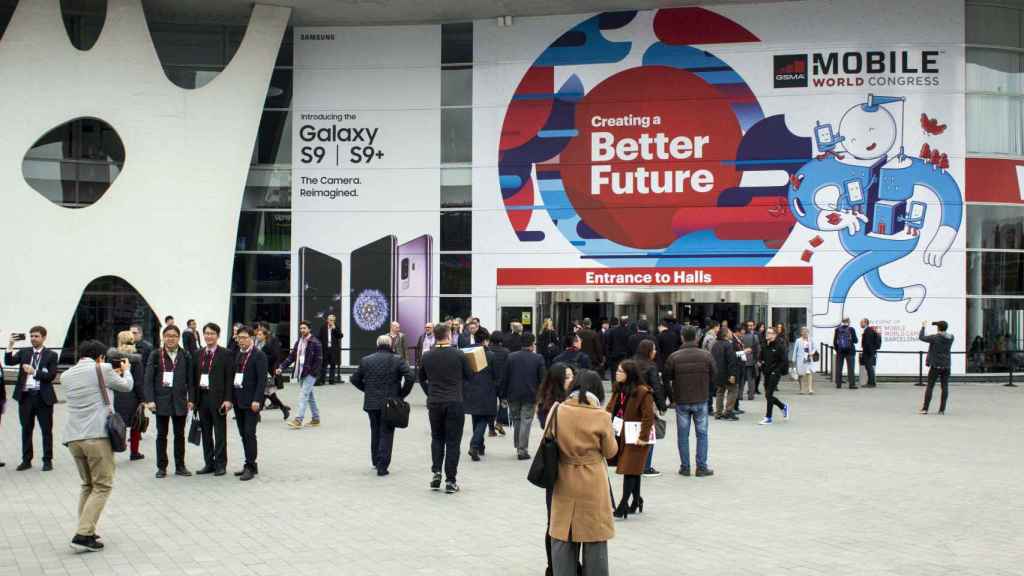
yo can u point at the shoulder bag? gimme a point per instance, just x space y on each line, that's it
195 430
395 411
116 429
544 469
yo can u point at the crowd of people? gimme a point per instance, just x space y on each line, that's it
701 371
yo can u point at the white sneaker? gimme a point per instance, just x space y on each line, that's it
764 421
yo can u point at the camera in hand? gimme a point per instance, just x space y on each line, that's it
18 336
115 358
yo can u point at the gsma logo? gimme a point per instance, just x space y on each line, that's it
790 71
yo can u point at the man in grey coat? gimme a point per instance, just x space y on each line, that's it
85 433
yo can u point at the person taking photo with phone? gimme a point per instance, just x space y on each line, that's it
37 367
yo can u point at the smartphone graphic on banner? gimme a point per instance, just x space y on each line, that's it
415 295
320 296
373 292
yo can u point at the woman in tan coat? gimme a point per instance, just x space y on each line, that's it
581 512
632 402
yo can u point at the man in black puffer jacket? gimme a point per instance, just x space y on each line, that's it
380 377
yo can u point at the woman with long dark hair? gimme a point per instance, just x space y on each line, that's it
554 388
579 510
646 354
631 405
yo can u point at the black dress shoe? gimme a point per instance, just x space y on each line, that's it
285 411
86 543
23 466
220 472
205 470
247 475
47 466
182 472
854 386
161 473
2 464
474 454
523 456
240 472
136 456
382 472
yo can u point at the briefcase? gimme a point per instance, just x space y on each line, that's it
396 412
195 430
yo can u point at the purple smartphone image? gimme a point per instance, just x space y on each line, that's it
415 286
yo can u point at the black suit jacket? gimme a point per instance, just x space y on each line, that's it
332 352
173 400
618 342
524 371
190 341
254 379
45 373
634 342
222 373
272 350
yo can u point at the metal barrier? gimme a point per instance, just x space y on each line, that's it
826 366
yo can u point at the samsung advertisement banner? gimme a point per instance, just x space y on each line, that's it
741 146
366 179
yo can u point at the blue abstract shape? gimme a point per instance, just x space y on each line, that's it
769 145
615 20
570 38
595 50
587 232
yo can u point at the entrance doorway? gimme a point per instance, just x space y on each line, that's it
521 314
568 312
791 318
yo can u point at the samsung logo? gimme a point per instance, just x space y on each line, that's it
316 36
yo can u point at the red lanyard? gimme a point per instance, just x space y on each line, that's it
165 357
622 404
206 360
245 361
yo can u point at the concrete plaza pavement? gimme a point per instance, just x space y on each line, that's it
856 483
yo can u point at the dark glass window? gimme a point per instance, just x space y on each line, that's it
456 135
273 310
279 93
83 21
108 306
996 335
452 307
6 11
256 273
456 231
74 164
264 231
995 273
455 273
268 188
990 226
457 43
274 139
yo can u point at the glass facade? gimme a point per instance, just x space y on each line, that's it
456 173
995 232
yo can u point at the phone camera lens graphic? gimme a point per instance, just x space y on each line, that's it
370 310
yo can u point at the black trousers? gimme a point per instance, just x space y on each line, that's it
847 356
215 435
329 368
30 409
247 420
382 440
162 424
942 375
446 423
771 384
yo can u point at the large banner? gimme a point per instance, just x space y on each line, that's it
728 143
366 180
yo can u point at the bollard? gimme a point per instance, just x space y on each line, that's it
920 369
1010 384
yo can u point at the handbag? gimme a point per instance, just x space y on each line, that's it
660 427
195 430
141 420
116 430
544 468
396 410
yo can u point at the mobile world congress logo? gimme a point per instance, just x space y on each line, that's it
790 71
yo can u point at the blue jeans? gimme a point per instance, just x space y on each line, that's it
306 396
699 413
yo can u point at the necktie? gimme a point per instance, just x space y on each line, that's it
35 360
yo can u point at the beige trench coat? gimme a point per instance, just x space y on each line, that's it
581 502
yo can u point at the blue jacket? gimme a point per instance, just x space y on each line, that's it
524 371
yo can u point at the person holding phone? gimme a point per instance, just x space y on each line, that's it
169 395
249 382
214 373
37 367
938 361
